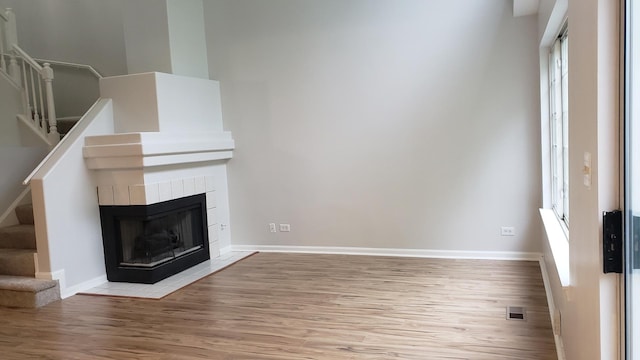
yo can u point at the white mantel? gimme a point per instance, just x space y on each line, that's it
168 144
143 150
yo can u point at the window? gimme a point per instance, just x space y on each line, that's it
559 126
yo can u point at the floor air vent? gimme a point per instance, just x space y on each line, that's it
516 313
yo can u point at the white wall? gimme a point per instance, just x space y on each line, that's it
66 210
165 36
86 32
187 38
590 306
146 36
372 123
164 102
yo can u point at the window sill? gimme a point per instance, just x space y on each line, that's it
559 244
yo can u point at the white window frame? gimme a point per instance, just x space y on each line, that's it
559 126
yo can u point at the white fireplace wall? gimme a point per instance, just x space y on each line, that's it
216 187
169 144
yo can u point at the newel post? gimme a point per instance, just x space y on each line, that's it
12 29
12 38
47 76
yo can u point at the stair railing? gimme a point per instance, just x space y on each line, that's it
71 65
39 109
35 81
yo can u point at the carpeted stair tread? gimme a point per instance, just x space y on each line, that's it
27 292
23 283
25 214
18 262
18 237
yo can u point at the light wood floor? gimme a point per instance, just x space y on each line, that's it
295 306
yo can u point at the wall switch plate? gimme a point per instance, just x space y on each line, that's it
272 227
507 231
285 227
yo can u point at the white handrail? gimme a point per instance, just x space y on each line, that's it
89 68
31 61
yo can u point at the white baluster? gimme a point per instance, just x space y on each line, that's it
25 91
47 76
34 100
43 117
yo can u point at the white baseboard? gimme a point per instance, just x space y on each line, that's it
72 290
557 335
446 254
65 291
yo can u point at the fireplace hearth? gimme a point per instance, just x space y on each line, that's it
148 243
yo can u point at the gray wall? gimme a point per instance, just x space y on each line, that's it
80 31
374 123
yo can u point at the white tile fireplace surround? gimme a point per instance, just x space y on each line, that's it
168 145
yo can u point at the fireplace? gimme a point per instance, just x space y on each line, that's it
148 243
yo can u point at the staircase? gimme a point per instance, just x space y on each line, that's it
18 285
32 79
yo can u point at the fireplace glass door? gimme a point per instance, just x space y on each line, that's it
150 242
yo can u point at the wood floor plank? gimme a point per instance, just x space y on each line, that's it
304 306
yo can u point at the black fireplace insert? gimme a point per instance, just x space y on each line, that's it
148 243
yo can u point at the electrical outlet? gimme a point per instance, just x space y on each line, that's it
272 227
507 231
285 227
